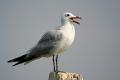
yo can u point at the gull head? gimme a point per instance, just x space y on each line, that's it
69 17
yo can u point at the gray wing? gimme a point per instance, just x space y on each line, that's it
47 43
53 35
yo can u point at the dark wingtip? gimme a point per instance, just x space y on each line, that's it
10 61
18 63
17 59
14 65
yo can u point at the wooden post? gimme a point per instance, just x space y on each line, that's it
65 76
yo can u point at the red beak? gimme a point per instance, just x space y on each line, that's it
74 19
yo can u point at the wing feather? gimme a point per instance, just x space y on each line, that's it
47 43
53 35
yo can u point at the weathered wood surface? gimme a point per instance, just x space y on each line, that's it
65 76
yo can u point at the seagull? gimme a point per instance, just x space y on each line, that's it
53 42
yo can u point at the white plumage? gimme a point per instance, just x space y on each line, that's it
53 42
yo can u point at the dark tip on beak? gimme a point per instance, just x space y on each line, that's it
78 17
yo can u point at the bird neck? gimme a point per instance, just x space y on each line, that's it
68 26
66 23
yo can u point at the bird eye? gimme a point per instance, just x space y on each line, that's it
67 15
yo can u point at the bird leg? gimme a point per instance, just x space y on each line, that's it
54 64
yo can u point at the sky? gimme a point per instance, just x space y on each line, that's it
95 52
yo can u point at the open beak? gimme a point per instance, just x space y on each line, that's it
75 18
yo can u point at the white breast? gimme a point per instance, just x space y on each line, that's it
69 34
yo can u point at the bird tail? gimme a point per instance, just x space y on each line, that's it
19 60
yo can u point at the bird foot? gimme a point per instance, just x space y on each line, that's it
59 71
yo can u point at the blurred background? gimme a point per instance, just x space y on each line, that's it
96 50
